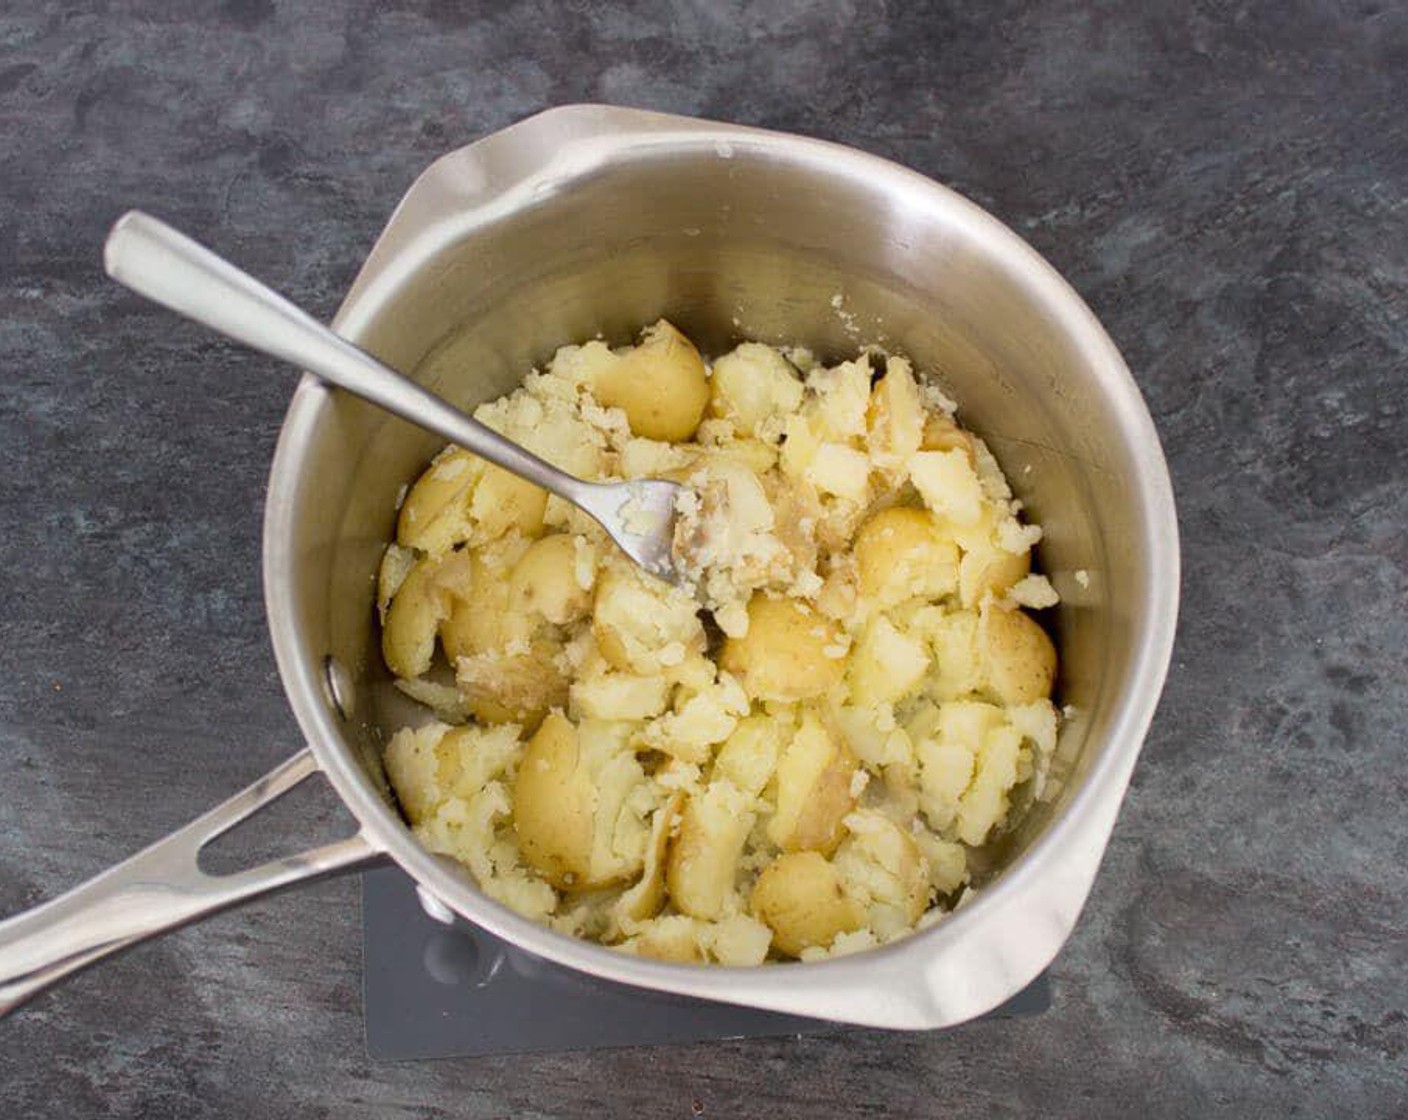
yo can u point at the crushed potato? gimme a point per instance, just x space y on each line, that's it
808 781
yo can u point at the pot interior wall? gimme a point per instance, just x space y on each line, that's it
732 248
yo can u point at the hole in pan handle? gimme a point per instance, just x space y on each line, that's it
159 888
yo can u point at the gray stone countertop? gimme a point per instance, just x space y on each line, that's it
1226 183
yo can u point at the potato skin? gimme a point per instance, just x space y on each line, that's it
503 501
544 581
552 805
412 620
704 856
783 656
799 896
813 790
644 900
1018 658
435 515
634 618
904 553
660 384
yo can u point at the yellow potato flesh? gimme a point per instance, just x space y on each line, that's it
660 384
412 619
567 797
1018 658
544 581
799 896
903 553
813 790
704 857
789 653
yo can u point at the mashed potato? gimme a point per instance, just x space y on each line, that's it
790 757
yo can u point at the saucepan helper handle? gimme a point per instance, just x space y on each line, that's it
157 889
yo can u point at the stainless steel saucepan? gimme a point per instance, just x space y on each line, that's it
589 219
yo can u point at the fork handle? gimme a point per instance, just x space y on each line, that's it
166 266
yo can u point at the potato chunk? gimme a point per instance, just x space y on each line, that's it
748 757
753 385
580 804
904 553
660 384
503 501
814 790
1019 661
704 857
988 569
948 484
546 581
643 626
882 869
886 665
435 515
799 897
480 620
789 652
610 695
517 685
895 418
967 770
948 758
430 765
412 620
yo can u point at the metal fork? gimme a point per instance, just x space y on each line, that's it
166 266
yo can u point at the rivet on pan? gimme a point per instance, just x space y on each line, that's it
433 907
338 685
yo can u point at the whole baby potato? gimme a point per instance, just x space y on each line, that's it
1018 659
544 581
789 652
813 789
799 896
412 619
660 384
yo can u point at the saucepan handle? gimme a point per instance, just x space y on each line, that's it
158 889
